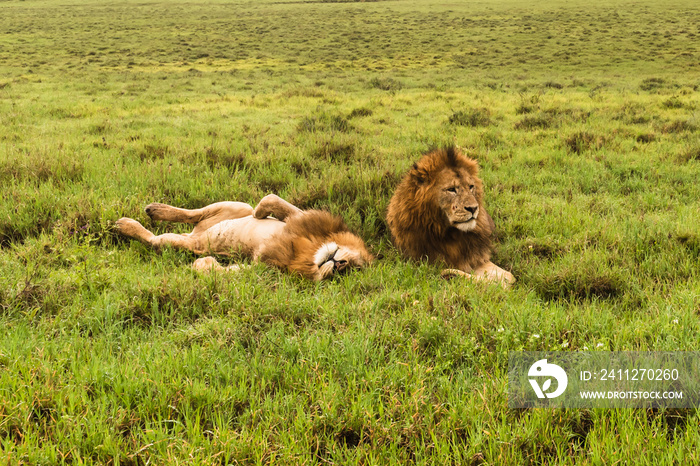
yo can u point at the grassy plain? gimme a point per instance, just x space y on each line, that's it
583 115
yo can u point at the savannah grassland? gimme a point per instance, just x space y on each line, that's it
583 115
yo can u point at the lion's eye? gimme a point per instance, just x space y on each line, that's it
452 190
471 187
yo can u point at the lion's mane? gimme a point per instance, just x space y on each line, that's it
293 249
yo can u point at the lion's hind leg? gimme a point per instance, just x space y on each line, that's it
133 229
272 205
209 215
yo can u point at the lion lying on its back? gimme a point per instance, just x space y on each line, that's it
437 212
312 243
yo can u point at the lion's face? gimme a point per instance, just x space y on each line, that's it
332 258
456 191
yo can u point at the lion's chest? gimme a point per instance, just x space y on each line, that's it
244 235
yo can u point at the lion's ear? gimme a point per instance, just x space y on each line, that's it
418 174
472 167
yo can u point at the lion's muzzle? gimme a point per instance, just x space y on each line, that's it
464 213
340 265
464 217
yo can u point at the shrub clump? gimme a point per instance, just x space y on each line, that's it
385 84
553 85
216 158
689 153
524 109
678 126
646 138
634 113
576 285
673 102
36 167
334 152
153 152
360 112
472 117
324 122
583 141
528 105
690 241
539 121
651 84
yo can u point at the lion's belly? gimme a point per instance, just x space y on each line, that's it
241 235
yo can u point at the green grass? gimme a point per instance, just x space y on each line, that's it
583 116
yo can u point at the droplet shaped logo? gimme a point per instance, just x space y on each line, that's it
542 369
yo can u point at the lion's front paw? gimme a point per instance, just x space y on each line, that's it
206 264
507 279
498 275
325 270
490 274
260 213
324 260
209 263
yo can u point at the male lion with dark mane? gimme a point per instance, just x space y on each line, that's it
312 243
437 212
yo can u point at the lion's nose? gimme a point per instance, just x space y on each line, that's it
472 210
340 265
